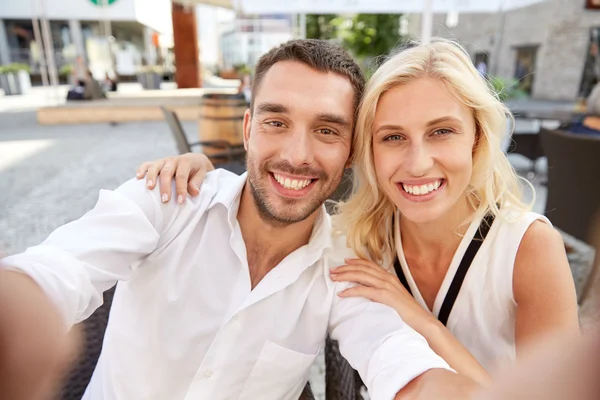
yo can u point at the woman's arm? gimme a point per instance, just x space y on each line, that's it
381 286
543 287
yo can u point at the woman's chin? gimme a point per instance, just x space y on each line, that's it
421 214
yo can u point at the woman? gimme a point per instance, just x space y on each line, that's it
431 183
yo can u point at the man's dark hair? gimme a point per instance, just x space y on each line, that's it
318 54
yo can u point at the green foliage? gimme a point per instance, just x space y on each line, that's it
66 69
372 35
506 89
242 69
322 26
14 68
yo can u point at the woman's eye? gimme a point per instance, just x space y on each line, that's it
442 132
392 138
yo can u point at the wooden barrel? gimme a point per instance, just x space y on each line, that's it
222 118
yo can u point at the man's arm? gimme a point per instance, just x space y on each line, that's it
35 348
438 384
82 259
394 361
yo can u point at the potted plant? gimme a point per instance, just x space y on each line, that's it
150 76
65 74
15 79
506 89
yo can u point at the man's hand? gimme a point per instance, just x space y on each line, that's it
188 169
36 349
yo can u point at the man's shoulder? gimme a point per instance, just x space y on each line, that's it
216 187
339 250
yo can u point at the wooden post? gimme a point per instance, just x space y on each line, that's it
185 38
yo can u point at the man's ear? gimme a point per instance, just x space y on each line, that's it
350 160
247 125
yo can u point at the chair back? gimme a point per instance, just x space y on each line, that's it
342 382
573 188
183 146
94 327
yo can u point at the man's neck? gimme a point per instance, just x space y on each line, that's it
268 243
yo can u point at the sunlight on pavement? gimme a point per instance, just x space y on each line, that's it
18 150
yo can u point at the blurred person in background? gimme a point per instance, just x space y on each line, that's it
431 182
590 123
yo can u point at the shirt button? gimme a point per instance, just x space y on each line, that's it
207 374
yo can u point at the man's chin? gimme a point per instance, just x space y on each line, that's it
286 214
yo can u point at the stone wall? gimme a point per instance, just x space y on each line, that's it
559 27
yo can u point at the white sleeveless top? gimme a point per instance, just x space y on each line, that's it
483 316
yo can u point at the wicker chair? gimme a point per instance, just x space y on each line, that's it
94 328
573 191
230 157
342 382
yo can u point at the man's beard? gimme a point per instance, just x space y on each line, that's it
292 212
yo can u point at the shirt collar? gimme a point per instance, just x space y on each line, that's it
229 195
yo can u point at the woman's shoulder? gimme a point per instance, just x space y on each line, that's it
515 216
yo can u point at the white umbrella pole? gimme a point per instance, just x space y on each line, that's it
303 26
38 44
49 46
426 21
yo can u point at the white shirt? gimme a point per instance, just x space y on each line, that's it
185 323
484 314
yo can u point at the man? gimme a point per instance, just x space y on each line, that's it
229 295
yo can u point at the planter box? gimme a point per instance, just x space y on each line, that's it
15 83
150 80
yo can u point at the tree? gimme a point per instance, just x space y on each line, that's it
371 35
322 26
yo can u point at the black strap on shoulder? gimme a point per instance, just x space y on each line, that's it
401 275
461 271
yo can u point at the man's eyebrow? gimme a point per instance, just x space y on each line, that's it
334 119
271 108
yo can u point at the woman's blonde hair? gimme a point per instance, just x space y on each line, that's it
367 217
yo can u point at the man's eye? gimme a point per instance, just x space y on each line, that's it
276 124
326 131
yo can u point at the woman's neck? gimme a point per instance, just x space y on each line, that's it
435 242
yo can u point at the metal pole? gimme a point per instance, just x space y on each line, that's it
303 26
426 21
38 44
499 36
49 46
295 26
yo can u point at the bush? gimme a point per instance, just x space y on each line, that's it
14 68
66 69
506 89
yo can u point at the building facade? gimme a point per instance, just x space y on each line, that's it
245 39
549 47
82 28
